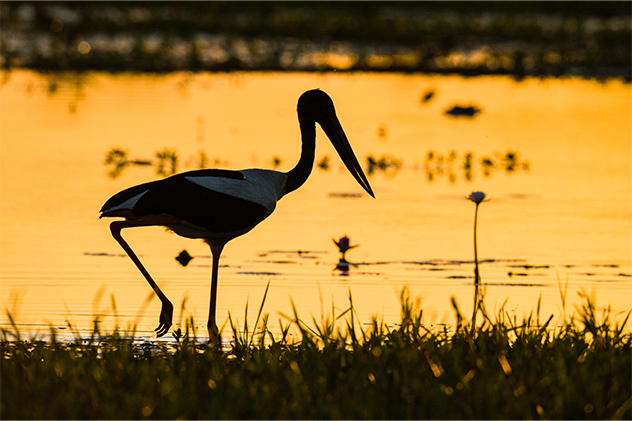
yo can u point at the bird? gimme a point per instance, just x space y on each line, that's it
218 205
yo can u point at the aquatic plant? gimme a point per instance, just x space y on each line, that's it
119 159
167 162
477 197
469 111
344 245
383 164
324 163
184 258
438 164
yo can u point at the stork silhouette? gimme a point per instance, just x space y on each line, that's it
218 205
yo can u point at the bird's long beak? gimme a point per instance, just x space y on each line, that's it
332 128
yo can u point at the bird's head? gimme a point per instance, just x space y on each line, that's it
316 104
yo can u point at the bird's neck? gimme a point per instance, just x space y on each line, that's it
297 175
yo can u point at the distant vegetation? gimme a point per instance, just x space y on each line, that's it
590 39
500 369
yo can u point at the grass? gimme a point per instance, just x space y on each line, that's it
500 369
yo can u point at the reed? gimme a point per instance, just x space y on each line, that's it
501 368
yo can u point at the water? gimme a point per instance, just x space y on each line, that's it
553 155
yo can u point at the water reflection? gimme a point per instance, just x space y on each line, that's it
343 267
71 85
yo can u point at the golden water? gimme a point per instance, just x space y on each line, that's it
567 215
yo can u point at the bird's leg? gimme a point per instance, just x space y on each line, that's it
216 251
166 313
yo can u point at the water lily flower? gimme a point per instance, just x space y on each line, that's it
343 244
477 197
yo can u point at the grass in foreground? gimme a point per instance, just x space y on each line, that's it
498 370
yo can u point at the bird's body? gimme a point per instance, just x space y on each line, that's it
214 205
219 205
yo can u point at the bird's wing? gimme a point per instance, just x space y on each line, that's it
216 200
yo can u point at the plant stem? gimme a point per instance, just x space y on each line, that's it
476 274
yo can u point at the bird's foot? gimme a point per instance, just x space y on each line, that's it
214 338
166 317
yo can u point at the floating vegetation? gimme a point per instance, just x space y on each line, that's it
386 164
260 273
382 131
118 158
346 195
324 163
512 273
166 161
439 165
202 159
527 267
305 254
463 111
517 284
104 254
276 162
427 96
184 258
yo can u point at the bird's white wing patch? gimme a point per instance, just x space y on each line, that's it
128 204
260 186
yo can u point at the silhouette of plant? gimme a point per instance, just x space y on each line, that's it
477 197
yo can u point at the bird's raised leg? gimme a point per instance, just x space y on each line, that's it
216 251
166 313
